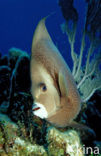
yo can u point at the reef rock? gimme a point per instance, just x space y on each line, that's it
64 143
14 145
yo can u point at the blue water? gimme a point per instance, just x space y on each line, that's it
18 19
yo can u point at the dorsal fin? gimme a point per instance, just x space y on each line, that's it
40 33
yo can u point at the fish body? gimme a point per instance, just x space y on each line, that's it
54 91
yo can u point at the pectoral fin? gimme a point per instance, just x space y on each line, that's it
63 84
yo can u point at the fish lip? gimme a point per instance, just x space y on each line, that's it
35 108
39 110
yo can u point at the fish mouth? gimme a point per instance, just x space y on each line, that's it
39 110
35 108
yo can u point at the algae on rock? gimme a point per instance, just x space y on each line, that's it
11 144
64 143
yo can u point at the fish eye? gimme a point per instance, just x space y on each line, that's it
43 87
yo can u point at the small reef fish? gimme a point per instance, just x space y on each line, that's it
54 91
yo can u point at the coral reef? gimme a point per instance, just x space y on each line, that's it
24 134
16 103
11 143
14 144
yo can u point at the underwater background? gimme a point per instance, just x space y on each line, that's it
19 20
26 135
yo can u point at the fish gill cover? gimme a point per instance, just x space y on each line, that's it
24 134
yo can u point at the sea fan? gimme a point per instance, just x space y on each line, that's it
87 76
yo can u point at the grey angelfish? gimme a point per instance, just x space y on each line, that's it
54 91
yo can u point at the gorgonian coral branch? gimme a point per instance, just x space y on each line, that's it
87 77
71 37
